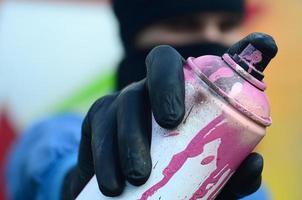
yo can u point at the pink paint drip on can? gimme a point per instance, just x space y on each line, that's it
227 113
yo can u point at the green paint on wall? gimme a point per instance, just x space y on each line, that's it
85 97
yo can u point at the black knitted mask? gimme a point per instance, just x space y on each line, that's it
135 15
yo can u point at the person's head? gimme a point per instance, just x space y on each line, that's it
193 27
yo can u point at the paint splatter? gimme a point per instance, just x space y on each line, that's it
217 129
207 160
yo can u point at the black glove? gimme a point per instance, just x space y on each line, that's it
116 132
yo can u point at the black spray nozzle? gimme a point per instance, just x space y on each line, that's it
257 49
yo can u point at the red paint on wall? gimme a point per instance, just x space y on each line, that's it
7 136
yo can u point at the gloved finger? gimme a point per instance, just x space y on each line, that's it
134 133
80 175
104 150
165 82
246 180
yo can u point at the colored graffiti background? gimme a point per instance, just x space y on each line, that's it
57 57
282 145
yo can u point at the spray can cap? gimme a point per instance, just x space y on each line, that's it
254 52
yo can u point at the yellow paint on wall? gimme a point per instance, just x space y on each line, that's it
282 147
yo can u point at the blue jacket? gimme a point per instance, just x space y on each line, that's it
44 154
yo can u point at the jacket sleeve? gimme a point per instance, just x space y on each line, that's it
42 156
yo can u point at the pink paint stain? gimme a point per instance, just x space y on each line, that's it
214 130
207 160
251 55
170 134
223 72
210 182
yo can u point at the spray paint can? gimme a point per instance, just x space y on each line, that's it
227 113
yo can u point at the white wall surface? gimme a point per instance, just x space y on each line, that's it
49 50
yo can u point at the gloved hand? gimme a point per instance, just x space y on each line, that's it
116 133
